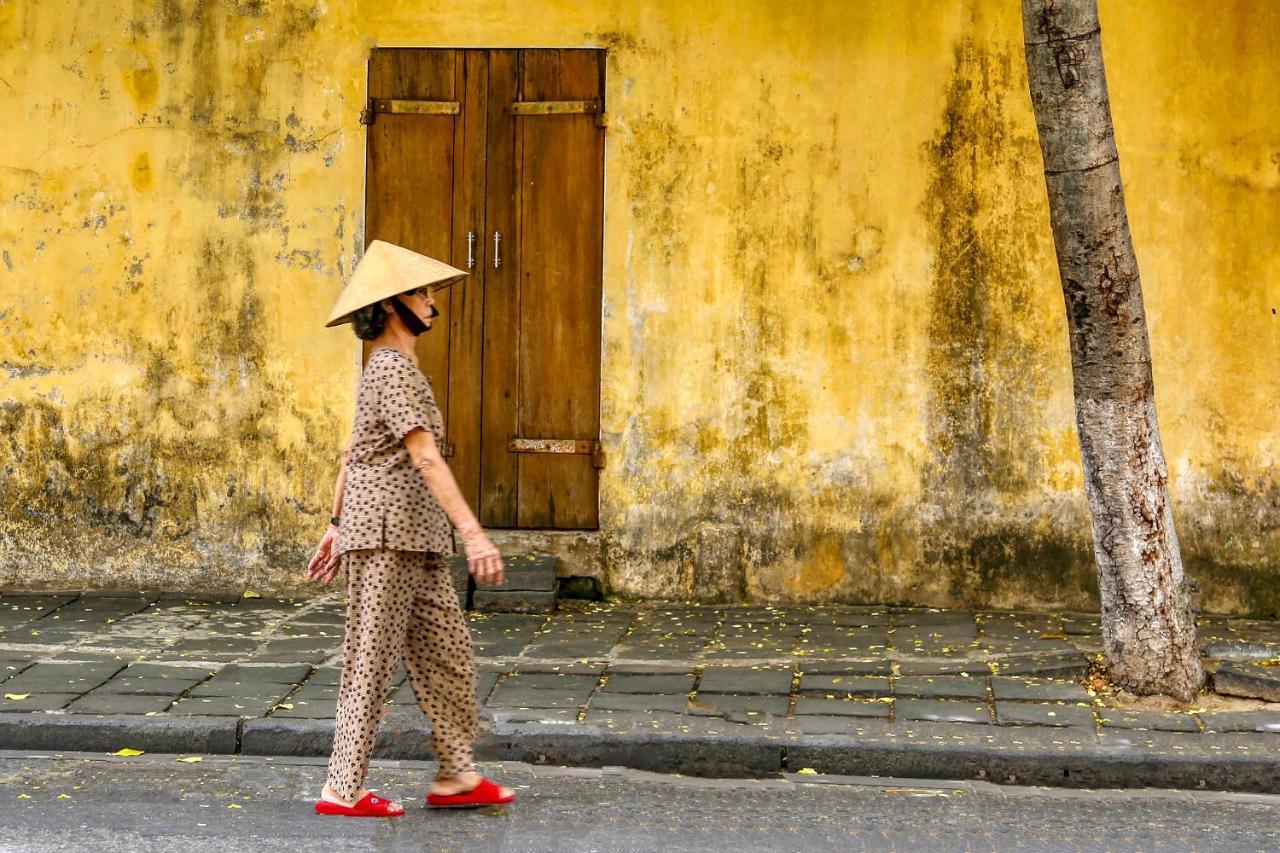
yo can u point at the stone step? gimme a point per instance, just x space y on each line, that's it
529 585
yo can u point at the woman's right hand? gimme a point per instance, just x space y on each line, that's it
324 565
484 560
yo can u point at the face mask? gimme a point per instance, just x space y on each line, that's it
411 320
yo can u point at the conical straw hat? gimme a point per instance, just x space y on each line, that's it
385 270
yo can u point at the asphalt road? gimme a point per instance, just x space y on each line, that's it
156 803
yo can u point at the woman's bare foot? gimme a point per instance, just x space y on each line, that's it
462 783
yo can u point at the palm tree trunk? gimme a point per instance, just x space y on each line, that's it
1147 625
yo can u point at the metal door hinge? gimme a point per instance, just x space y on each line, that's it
555 108
571 446
405 106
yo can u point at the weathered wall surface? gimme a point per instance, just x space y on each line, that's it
835 362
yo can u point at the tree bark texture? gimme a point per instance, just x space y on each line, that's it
1147 623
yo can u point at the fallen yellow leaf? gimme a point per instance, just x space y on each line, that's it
24 796
64 796
191 759
248 593
807 771
127 752
234 806
16 697
288 706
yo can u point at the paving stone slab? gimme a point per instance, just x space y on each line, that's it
176 672
35 702
499 648
516 697
934 635
721 653
816 725
270 656
1027 714
974 668
305 709
519 580
37 634
671 683
485 682
674 648
1153 720
1242 721
820 666
144 686
1037 690
514 601
1248 680
82 655
108 703
301 645
941 710
912 617
38 604
1239 650
197 599
68 677
716 705
940 687
1063 666
326 675
222 706
844 685
865 617
745 680
329 693
640 702
192 646
271 674
247 686
1080 623
555 667
550 681
10 668
840 708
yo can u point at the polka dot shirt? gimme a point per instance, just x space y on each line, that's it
386 502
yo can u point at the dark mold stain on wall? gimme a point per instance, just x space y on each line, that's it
989 379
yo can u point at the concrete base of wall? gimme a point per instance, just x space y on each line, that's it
580 552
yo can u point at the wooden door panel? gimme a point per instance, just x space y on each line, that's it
466 299
516 353
499 498
560 201
409 179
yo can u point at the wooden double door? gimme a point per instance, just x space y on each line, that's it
493 161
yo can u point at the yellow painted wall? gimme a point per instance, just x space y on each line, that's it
834 345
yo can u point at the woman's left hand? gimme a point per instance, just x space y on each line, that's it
324 565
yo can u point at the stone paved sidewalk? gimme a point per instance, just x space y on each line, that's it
716 690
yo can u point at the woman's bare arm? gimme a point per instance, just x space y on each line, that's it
324 564
485 562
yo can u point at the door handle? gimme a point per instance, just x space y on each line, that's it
471 250
497 250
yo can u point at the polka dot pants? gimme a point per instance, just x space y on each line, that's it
402 605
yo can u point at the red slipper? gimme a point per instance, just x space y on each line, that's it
484 794
369 806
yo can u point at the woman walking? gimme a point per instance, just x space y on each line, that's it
393 503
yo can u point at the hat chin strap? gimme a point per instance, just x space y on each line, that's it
411 320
